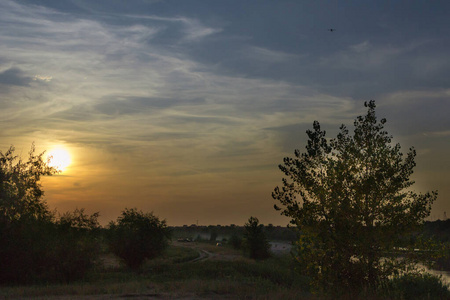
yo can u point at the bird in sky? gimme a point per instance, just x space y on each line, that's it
331 29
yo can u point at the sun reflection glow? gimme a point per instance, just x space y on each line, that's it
59 158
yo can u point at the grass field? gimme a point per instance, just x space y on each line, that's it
222 273
191 271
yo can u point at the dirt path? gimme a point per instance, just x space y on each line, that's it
203 255
210 252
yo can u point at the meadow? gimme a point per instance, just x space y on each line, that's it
223 273
205 270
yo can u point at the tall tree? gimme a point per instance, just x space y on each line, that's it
350 197
24 216
20 189
34 245
255 241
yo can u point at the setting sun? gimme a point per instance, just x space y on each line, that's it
59 158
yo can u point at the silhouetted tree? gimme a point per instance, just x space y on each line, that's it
25 219
34 245
351 201
20 189
255 242
137 236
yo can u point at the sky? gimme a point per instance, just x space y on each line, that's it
186 108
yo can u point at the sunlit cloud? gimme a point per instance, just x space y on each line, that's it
43 78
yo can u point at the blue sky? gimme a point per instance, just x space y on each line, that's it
187 107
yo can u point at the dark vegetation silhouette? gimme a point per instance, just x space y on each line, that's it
213 236
437 234
255 243
78 244
439 230
35 245
350 198
235 241
228 233
137 236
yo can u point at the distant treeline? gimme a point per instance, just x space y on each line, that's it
438 230
223 233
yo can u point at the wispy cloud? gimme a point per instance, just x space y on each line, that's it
116 86
203 93
192 29
42 78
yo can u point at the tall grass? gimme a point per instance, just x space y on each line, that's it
173 275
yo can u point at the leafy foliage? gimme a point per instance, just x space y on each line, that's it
351 201
24 216
20 191
137 236
34 245
255 242
77 245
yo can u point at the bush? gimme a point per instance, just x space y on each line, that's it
23 250
137 236
77 246
45 251
255 243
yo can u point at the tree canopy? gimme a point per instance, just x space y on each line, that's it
351 199
255 241
20 189
36 246
137 236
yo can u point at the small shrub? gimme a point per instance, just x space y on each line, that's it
137 236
